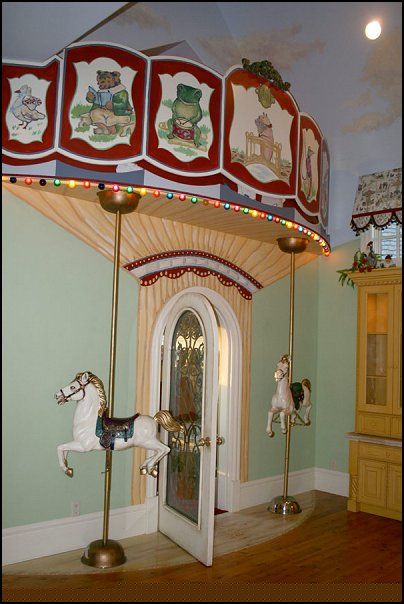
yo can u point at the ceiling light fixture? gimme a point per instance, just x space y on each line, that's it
373 30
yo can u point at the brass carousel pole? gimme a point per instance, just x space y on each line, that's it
106 553
286 504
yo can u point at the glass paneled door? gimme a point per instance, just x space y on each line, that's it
190 393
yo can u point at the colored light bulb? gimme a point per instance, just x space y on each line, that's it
129 189
28 181
245 210
226 206
72 184
86 184
194 199
170 195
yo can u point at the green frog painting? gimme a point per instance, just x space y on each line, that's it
186 113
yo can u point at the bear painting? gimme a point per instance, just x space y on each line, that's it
111 112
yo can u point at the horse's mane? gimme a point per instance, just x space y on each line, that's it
100 389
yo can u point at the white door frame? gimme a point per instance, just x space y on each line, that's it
230 387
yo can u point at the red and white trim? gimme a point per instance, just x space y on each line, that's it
175 263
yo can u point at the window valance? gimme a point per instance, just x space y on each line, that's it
378 200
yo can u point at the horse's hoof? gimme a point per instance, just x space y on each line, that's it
143 471
308 423
271 434
154 472
69 472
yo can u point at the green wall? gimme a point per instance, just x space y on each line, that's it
336 361
270 339
324 351
56 322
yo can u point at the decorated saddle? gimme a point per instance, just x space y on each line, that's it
297 394
110 428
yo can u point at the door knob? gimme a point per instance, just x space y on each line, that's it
219 440
204 442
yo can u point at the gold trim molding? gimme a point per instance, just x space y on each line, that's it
378 276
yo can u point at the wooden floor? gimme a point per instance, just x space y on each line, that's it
334 555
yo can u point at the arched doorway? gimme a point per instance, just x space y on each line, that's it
198 324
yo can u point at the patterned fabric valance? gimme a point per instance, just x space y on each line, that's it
378 200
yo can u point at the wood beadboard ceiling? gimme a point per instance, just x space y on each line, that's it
161 225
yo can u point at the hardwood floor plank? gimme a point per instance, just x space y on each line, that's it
334 553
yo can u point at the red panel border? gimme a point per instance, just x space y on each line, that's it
312 207
124 58
49 72
286 101
164 157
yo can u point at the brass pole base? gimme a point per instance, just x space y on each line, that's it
292 244
284 505
119 201
104 556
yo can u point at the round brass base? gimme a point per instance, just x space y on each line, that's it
104 556
292 244
284 506
119 201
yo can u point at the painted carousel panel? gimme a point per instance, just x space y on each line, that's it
103 110
184 128
30 115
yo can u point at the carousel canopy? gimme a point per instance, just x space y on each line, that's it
113 116
378 200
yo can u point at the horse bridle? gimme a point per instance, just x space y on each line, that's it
283 374
65 398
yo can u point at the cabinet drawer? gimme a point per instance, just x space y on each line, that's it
396 426
380 452
372 423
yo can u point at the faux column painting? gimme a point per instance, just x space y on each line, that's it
29 108
184 116
103 102
260 145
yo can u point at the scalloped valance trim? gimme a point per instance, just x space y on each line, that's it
379 220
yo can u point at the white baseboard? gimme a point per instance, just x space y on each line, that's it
56 536
263 490
332 481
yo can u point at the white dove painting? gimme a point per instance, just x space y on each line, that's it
26 117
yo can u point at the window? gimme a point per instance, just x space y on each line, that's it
388 241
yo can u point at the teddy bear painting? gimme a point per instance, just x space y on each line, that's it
108 110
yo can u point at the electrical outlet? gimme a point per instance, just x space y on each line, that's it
75 506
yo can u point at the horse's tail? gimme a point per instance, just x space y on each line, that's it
169 423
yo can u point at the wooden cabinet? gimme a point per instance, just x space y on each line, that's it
375 448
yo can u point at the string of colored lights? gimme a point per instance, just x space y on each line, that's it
72 184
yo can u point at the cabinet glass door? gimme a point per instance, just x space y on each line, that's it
376 349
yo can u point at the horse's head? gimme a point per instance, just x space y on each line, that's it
282 367
75 390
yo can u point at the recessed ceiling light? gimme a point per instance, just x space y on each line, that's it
373 30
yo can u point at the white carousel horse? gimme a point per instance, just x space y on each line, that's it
283 402
136 431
